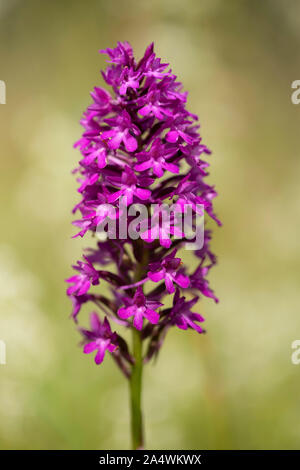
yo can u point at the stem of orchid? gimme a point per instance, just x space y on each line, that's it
136 391
135 382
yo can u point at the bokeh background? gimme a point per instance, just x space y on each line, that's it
234 387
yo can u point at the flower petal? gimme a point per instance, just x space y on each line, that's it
182 281
156 277
143 194
138 320
90 347
169 283
152 316
130 142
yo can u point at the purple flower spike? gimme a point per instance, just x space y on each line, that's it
100 338
78 301
129 79
167 270
141 151
161 228
142 169
128 184
156 159
181 314
140 308
123 130
97 155
82 281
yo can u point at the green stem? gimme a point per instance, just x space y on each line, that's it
135 382
135 392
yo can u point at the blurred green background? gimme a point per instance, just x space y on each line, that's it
233 388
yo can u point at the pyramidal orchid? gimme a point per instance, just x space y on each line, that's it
140 149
